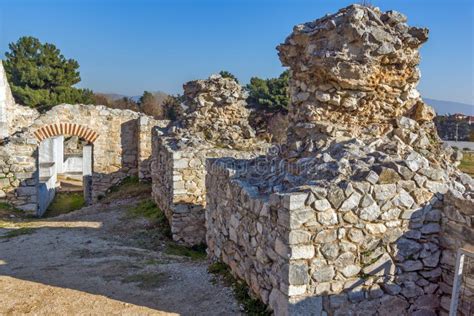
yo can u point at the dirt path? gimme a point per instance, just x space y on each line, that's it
93 262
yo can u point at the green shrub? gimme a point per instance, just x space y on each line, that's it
271 94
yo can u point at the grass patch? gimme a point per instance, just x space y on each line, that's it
197 252
467 163
146 281
241 291
7 207
149 210
127 188
10 214
65 202
18 232
158 232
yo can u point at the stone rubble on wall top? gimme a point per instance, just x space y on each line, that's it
216 114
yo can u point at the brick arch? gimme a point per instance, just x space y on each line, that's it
70 129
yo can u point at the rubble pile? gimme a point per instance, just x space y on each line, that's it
216 113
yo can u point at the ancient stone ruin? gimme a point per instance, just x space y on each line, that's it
215 125
31 156
362 209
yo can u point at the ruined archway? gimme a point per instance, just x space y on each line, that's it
62 167
69 129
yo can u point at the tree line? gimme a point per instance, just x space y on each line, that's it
41 77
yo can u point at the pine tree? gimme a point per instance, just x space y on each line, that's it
41 77
270 93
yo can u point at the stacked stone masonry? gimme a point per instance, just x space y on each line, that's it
178 177
371 245
216 124
121 142
362 209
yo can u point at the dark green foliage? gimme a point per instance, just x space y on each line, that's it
227 74
7 207
127 188
270 93
172 107
251 305
147 209
41 77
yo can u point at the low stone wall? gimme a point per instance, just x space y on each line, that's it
243 229
18 173
365 246
178 176
457 231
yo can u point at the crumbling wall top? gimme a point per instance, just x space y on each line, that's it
356 69
216 113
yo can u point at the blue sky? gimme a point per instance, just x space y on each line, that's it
127 46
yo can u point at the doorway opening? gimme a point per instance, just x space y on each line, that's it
65 170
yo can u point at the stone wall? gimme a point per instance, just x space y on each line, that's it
18 176
216 124
353 202
371 244
121 140
178 177
457 231
351 74
145 128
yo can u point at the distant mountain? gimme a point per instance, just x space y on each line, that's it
449 107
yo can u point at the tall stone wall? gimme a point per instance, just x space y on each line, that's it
119 150
216 124
352 73
356 195
245 230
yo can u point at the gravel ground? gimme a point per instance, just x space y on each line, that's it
88 263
